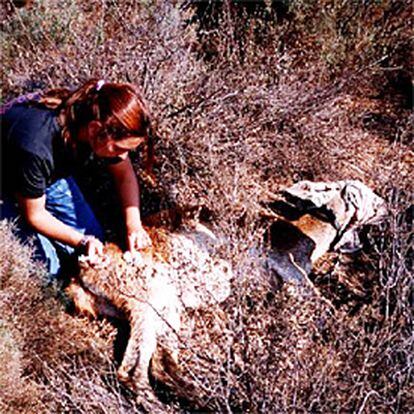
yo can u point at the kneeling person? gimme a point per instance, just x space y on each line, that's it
44 138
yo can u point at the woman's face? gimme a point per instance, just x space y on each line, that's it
106 143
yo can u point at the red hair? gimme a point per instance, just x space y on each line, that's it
123 104
116 105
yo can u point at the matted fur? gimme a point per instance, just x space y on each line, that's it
151 291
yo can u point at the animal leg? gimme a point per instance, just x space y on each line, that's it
141 346
86 303
165 367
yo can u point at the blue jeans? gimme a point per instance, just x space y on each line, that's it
64 201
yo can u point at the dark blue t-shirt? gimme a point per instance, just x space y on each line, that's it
30 148
33 151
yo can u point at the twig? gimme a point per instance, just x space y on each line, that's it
310 284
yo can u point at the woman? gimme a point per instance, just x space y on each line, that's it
44 138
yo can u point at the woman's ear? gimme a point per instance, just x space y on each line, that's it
94 128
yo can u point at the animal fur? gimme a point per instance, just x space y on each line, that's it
180 271
151 291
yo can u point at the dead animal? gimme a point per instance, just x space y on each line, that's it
152 290
313 218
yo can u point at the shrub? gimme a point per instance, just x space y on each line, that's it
245 103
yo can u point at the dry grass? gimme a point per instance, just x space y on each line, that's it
244 104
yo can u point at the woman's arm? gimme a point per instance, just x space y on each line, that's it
35 213
128 189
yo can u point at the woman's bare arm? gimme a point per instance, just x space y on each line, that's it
35 213
128 189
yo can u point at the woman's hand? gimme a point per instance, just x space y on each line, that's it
138 239
91 247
